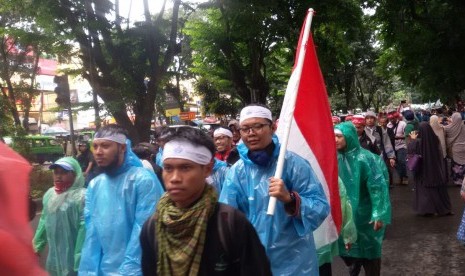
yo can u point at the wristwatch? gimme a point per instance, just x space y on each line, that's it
292 195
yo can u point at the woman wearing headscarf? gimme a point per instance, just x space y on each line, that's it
61 224
438 129
455 143
431 195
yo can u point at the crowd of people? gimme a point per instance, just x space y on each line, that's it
422 149
196 204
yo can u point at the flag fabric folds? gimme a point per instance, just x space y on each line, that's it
311 133
17 256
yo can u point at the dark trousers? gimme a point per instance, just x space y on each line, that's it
372 267
325 270
389 168
401 156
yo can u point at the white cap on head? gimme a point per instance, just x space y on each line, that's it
222 131
184 149
255 111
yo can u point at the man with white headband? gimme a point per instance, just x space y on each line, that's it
301 203
118 202
224 146
191 233
366 181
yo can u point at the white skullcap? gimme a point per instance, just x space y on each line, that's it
337 131
184 149
222 131
116 137
255 111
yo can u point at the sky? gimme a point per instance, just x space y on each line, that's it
137 7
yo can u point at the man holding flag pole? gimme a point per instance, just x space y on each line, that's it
284 195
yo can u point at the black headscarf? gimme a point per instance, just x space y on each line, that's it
431 173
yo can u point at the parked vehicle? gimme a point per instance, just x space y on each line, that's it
37 148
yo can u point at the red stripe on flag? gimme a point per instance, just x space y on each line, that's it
313 117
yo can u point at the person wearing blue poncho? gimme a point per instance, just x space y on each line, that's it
216 178
301 203
117 204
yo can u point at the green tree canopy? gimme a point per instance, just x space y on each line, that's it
425 41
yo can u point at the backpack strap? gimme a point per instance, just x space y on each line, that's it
226 231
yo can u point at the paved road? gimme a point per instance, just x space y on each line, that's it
414 245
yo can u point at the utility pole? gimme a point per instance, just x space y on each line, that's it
63 100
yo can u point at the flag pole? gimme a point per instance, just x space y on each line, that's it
286 119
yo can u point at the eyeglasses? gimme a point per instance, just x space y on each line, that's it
256 128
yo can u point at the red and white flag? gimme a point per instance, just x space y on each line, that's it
311 133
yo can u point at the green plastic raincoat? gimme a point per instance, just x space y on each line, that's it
363 175
348 231
61 225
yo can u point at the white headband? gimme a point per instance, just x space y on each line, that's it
338 131
185 150
117 137
255 111
222 131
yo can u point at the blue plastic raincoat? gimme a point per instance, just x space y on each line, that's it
117 205
216 178
61 225
363 175
159 157
288 240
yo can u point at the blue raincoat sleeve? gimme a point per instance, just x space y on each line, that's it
92 250
314 207
288 240
116 208
145 206
216 178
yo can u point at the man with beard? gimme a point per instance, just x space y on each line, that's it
118 202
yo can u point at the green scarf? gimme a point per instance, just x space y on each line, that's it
181 233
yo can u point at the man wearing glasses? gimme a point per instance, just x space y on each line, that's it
301 207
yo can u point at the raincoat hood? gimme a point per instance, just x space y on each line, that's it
350 135
61 224
130 160
365 178
79 180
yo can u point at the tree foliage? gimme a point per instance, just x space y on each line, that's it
246 48
22 44
125 63
425 39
